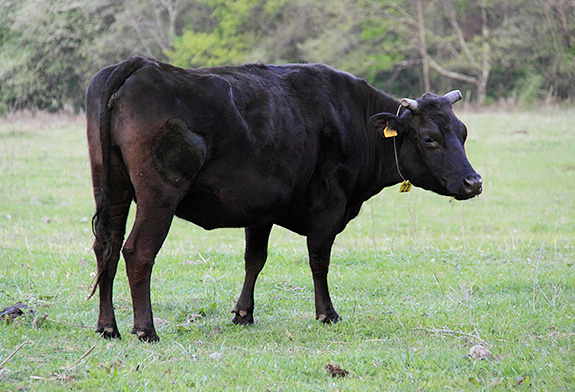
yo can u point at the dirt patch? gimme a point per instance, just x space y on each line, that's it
12 312
335 371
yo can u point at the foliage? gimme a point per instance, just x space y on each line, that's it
54 47
49 64
418 280
352 36
227 42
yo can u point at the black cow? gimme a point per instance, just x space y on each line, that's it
298 146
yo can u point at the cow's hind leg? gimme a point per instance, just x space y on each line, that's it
154 216
255 259
109 229
161 180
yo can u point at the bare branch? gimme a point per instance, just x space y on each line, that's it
407 17
13 353
452 74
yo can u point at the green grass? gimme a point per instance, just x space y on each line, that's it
417 278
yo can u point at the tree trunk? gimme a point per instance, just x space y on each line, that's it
422 45
485 63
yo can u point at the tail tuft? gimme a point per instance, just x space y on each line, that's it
102 230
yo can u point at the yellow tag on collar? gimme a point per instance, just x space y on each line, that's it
405 186
388 132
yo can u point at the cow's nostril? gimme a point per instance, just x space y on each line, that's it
473 184
473 180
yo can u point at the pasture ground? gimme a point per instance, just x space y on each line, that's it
418 279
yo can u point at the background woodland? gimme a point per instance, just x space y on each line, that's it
513 52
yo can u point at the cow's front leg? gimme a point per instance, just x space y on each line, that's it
319 257
327 220
255 259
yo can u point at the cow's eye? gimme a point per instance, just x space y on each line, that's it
429 142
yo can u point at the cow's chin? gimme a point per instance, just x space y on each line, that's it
465 197
461 193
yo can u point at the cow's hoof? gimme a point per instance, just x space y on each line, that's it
146 335
109 332
330 318
242 317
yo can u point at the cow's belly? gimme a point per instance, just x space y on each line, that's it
241 208
246 193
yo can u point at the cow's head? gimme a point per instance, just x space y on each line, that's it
430 145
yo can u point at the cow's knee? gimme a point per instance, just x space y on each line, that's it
128 250
139 263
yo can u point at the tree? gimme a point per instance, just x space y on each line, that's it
343 33
49 44
147 27
452 52
356 37
558 17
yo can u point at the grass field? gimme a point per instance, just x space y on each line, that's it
418 279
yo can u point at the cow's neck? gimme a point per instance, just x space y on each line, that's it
386 172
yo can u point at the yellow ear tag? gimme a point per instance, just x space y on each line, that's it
405 186
388 132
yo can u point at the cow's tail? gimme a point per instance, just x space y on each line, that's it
102 220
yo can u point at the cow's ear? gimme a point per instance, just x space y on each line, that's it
387 123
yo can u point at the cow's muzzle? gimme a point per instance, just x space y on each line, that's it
471 186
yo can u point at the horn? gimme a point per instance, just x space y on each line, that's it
410 104
453 96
